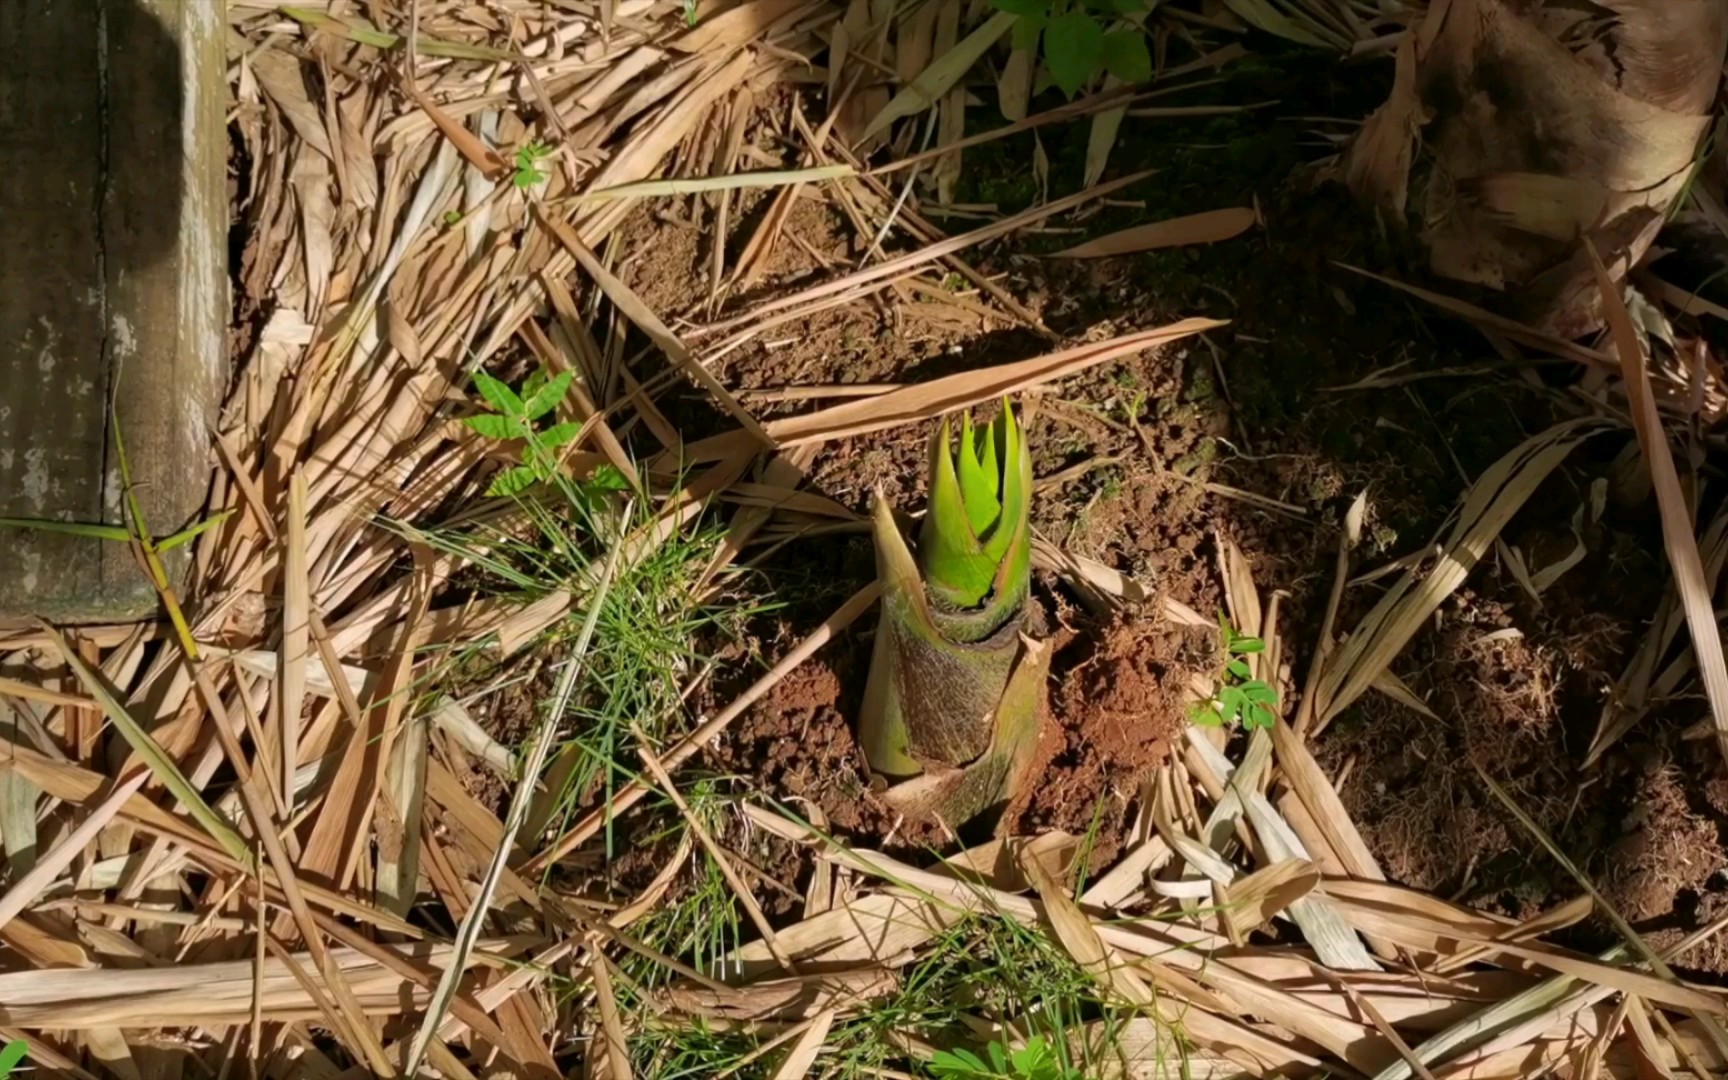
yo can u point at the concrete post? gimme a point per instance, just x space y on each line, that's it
113 284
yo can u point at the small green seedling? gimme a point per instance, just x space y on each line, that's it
690 15
528 158
515 416
1077 43
1036 1060
1240 696
11 1056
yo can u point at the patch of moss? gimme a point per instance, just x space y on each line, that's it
1196 459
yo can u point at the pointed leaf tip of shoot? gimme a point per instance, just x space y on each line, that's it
979 481
976 536
953 563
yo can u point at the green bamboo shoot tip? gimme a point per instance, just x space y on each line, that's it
978 513
952 706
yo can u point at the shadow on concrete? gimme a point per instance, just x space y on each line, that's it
92 132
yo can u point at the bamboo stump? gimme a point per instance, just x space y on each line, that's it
113 285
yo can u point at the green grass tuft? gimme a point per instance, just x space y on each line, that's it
653 629
985 970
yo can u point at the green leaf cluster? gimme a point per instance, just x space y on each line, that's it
976 538
1036 1060
515 416
11 1056
528 158
1078 42
1240 696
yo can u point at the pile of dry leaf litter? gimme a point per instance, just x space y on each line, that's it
248 835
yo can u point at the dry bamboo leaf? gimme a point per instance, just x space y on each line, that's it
1677 535
268 664
44 947
913 42
1101 138
296 638
649 898
405 785
997 862
421 974
737 25
211 994
30 885
782 999
647 148
644 317
1204 228
75 784
1335 942
1014 85
802 1059
1252 901
1353 1042
1418 932
1377 163
1405 608
950 115
969 388
1396 689
1516 331
525 625
880 929
452 718
1150 1049
940 76
468 934
477 153
18 802
1077 935
475 830
697 185
29 692
283 80
611 1026
109 1047
1644 1039
151 753
1317 795
1130 873
358 165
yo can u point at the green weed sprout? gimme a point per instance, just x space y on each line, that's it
528 158
11 1056
515 416
1035 1060
952 702
1240 696
1077 43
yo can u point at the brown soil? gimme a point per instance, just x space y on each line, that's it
1412 786
1117 702
1144 444
1115 715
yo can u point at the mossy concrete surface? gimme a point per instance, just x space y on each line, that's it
113 285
